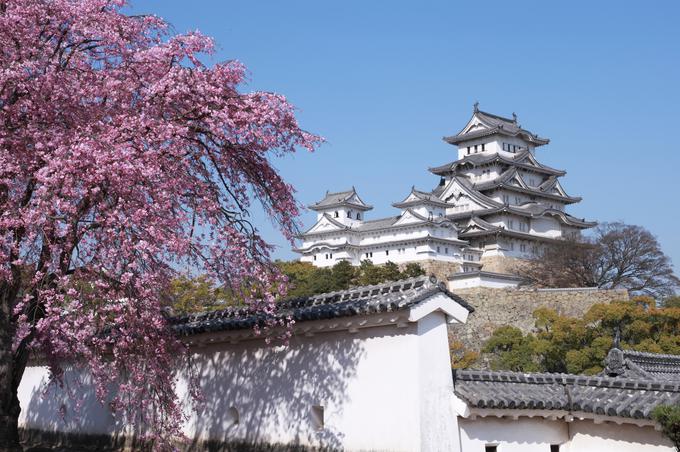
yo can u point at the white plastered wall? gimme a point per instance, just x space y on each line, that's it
537 434
385 387
521 435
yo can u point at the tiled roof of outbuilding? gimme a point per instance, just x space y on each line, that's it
388 297
622 397
650 366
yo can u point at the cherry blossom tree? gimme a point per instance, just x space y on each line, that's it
123 157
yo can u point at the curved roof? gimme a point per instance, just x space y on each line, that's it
503 181
418 197
633 364
341 198
387 297
494 124
631 386
597 395
489 158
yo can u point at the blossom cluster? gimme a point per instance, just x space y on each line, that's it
124 157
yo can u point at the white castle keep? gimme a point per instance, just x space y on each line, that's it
495 202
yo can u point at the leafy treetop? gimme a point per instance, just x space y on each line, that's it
580 345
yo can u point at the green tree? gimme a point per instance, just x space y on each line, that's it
369 274
186 295
412 270
512 349
580 345
669 419
461 356
302 278
672 302
390 272
344 275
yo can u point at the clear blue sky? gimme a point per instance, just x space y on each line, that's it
383 81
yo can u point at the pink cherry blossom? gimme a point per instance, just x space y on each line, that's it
124 158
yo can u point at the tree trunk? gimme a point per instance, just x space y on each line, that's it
9 401
10 374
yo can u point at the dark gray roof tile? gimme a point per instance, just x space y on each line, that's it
610 396
387 297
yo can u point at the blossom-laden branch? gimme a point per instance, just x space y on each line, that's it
122 158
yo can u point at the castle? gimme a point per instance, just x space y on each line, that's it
493 204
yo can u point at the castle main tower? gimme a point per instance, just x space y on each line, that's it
493 205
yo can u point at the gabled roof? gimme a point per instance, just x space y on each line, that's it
378 224
520 160
529 209
477 223
465 187
418 197
325 219
484 124
505 179
388 297
341 198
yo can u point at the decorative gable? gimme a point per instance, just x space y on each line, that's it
326 224
456 194
408 217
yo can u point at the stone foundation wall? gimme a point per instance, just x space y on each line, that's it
441 270
501 264
498 307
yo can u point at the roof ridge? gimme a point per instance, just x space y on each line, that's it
502 118
340 192
651 355
381 219
563 378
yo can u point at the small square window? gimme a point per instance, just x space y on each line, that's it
554 448
317 417
491 448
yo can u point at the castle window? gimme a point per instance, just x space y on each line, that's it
438 250
491 448
483 147
468 150
336 214
446 250
475 148
233 416
523 248
349 214
315 257
387 252
331 255
358 216
554 448
317 417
